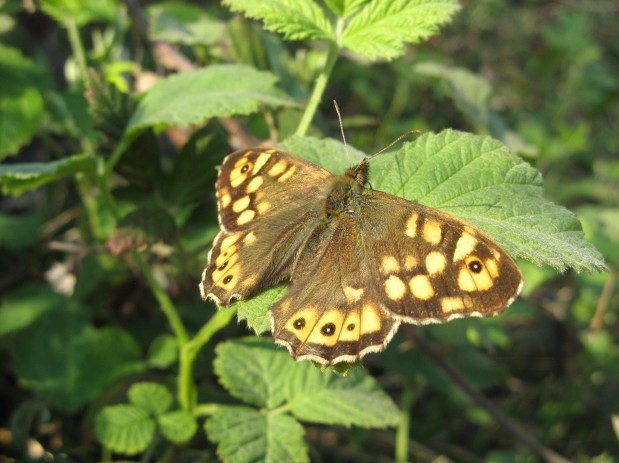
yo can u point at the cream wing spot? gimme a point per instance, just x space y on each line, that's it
229 241
250 238
473 276
435 262
352 294
492 267
395 288
260 162
326 331
246 217
389 264
240 204
464 246
432 232
351 329
370 319
421 287
254 184
410 262
411 225
225 199
286 175
452 304
277 168
263 206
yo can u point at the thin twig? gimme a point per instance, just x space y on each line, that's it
603 301
519 434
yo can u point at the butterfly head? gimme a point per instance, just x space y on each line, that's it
359 173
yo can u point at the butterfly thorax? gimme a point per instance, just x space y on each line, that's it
347 191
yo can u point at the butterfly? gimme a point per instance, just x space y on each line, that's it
359 261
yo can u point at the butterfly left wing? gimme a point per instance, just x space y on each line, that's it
268 201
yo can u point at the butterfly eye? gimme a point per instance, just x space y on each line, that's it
475 266
299 323
328 329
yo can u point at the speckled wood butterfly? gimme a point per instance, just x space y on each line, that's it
359 261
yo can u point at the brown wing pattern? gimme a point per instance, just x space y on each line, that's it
265 219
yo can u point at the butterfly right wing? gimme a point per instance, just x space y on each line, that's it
269 202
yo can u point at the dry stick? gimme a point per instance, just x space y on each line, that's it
603 301
526 439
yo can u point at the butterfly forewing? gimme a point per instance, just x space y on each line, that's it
259 211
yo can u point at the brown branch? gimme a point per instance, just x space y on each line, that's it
519 434
603 301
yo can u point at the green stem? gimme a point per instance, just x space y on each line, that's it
189 350
205 409
318 91
403 431
76 44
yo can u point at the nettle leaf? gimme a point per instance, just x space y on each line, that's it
381 28
245 435
125 428
177 426
254 370
23 306
325 397
216 91
151 397
185 24
294 19
19 178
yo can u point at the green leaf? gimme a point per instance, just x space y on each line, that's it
345 8
381 28
125 428
294 19
185 24
20 231
19 178
23 306
81 11
163 351
252 310
70 362
151 397
177 426
477 179
192 97
254 370
245 435
21 102
325 397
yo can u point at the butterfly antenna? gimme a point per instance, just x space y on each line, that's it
401 137
339 118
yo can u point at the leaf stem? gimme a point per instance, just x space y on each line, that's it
403 430
188 352
76 44
318 91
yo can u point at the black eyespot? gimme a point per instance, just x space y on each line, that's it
223 266
350 327
328 329
299 323
245 168
228 279
475 266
